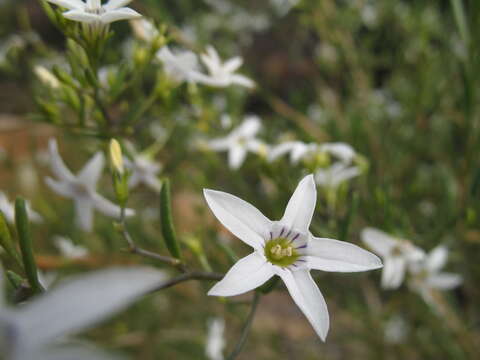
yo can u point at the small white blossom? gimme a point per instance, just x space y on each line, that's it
335 175
426 274
223 74
299 150
180 65
285 248
82 188
8 210
46 77
144 171
37 330
68 249
215 339
398 255
240 141
93 12
144 29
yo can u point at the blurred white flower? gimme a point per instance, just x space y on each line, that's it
144 29
335 175
8 210
285 248
215 339
223 74
426 274
144 171
82 188
396 329
68 249
398 255
302 151
240 141
33 331
46 77
180 65
93 12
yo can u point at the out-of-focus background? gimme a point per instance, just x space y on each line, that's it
396 79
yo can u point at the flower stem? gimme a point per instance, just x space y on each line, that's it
246 328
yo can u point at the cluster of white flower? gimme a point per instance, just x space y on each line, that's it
329 174
400 257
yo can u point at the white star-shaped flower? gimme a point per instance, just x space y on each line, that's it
82 188
335 174
426 274
8 210
144 171
398 255
93 12
222 74
285 248
180 65
299 150
240 141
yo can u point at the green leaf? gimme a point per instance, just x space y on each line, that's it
6 240
168 229
25 240
16 280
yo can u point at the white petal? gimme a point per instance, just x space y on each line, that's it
108 208
236 156
231 65
60 188
119 14
445 281
393 272
249 127
378 241
82 16
299 211
91 172
334 255
437 258
246 274
115 4
56 163
308 298
69 4
242 219
281 149
84 214
242 81
81 303
220 144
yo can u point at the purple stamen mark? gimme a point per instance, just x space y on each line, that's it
271 235
281 233
288 234
296 236
301 247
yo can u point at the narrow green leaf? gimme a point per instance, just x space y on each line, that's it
25 240
168 229
6 240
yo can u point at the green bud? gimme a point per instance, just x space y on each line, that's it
6 240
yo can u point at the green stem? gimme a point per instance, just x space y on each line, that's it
246 328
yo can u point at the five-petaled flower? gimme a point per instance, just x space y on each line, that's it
426 275
223 74
285 248
240 141
82 188
398 255
93 12
144 171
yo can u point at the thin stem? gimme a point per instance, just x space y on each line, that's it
194 275
134 249
246 328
